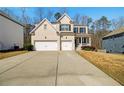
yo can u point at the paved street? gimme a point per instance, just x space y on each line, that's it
51 68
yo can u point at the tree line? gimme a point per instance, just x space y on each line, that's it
98 28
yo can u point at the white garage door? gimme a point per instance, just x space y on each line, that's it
46 46
67 45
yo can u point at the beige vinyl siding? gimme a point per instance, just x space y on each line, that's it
45 34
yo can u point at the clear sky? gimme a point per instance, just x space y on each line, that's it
94 12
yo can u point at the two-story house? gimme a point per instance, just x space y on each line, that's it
60 35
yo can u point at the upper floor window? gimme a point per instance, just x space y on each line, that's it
75 30
82 30
45 26
65 27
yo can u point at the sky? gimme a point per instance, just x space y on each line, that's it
93 12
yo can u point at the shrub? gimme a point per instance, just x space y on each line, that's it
88 48
29 47
16 47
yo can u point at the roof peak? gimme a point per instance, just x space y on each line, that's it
45 19
65 14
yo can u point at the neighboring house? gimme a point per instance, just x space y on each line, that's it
60 35
11 33
114 41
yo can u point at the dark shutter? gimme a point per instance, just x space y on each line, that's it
69 27
60 27
84 30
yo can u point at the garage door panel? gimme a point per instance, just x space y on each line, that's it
67 45
45 46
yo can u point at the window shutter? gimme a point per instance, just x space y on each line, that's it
69 27
60 27
84 30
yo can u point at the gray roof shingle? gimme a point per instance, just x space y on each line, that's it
115 32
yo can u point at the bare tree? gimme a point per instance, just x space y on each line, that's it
77 18
39 14
117 23
27 22
23 10
86 20
24 16
114 24
7 11
49 15
100 29
64 10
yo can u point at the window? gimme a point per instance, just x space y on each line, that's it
80 40
82 30
123 46
45 26
75 30
83 40
65 27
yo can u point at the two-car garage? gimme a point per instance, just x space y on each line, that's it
53 46
46 46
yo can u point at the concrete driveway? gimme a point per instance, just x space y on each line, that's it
51 68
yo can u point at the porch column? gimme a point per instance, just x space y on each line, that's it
81 41
90 41
87 40
78 30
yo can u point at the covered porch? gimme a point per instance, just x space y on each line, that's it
82 41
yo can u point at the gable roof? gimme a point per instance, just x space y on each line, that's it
63 16
116 32
8 17
38 25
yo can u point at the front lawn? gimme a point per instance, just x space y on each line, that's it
10 54
111 64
